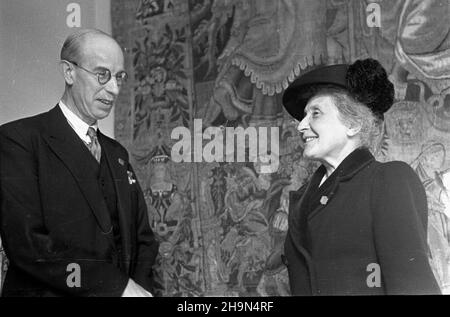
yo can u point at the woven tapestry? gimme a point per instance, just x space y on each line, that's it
201 67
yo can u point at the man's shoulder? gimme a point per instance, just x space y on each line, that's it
24 126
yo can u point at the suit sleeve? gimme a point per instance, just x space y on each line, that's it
400 231
146 244
28 242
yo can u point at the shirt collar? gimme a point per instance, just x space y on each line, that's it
79 126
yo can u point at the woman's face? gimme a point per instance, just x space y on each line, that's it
323 133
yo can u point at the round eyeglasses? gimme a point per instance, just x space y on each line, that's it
104 75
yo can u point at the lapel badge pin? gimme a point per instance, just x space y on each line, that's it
323 200
131 178
121 162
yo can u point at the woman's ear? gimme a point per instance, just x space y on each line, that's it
354 130
67 71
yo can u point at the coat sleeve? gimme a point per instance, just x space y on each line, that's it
147 245
400 231
28 242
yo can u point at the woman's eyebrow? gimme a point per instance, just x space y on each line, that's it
311 107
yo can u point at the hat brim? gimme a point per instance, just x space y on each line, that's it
298 93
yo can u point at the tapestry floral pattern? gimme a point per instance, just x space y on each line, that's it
222 225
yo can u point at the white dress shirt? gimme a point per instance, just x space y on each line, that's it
79 126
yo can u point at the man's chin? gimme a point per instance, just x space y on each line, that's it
103 113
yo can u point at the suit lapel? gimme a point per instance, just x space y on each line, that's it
70 149
118 168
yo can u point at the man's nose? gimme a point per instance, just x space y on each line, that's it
112 87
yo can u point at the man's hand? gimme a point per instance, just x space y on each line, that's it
135 290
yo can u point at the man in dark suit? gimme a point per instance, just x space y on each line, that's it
73 217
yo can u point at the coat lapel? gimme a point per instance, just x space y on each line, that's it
70 149
351 165
296 233
325 200
297 206
356 161
118 168
304 214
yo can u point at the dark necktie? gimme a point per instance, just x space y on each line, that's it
94 146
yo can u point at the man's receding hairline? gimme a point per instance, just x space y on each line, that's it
79 38
87 32
90 36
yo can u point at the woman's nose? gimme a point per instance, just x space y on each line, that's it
303 125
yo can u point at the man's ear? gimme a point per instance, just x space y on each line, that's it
67 70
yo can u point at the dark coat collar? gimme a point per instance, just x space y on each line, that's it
70 149
57 125
350 166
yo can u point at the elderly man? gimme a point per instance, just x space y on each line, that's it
73 217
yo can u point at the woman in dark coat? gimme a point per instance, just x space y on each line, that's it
359 226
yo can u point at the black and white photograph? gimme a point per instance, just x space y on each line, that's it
245 150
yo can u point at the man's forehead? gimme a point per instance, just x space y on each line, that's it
99 50
99 42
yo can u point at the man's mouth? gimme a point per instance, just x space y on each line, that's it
106 101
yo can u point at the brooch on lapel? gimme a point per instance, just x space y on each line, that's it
121 162
131 178
323 200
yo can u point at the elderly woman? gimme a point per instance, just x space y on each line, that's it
359 226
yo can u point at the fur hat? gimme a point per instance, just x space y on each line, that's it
365 80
